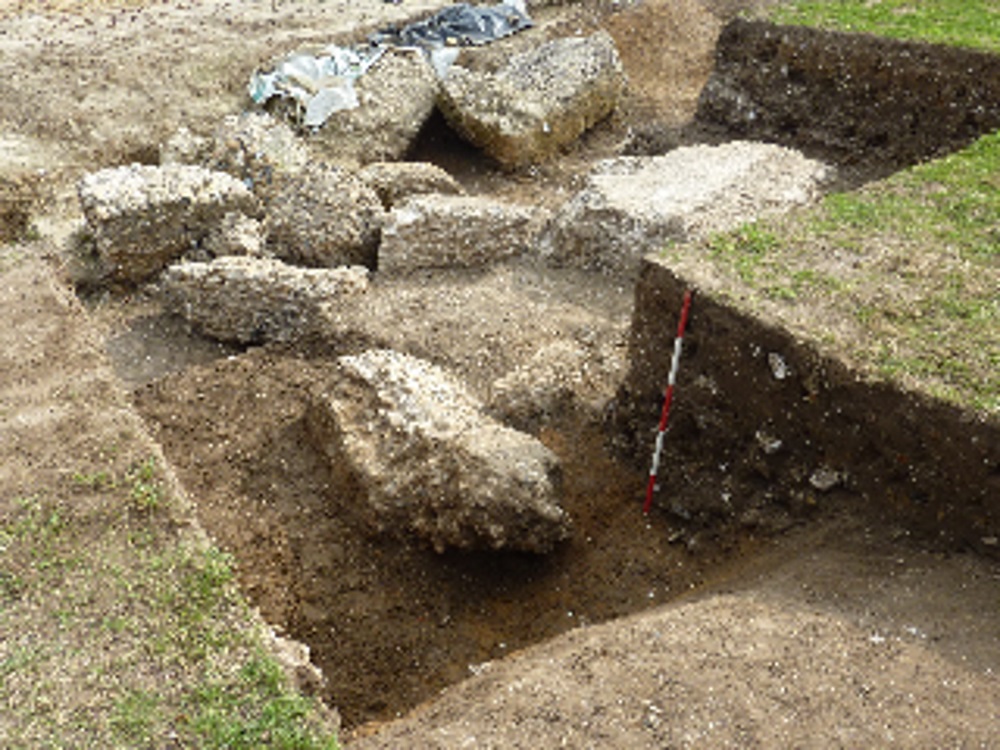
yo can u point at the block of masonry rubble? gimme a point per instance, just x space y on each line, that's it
560 377
426 460
235 234
540 102
254 147
394 181
144 217
396 96
253 300
449 231
324 217
635 205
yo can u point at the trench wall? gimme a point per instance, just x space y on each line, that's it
922 465
857 97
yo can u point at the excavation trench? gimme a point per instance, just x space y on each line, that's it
389 621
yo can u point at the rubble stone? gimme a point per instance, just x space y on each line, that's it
442 231
394 181
427 460
254 147
257 147
397 96
185 147
253 300
236 234
541 101
324 217
558 378
143 217
635 205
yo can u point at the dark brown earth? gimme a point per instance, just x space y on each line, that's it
872 103
391 623
916 463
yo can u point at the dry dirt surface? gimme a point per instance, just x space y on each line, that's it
822 629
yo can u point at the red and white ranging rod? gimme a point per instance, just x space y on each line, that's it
668 397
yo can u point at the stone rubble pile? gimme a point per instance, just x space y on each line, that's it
258 234
428 460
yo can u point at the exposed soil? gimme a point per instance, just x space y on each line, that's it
391 623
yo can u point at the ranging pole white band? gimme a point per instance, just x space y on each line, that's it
656 454
675 362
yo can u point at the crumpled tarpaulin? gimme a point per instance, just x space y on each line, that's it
323 84
460 25
320 85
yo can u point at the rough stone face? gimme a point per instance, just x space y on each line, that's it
541 101
252 300
236 234
427 460
324 217
635 205
397 96
144 217
256 148
185 147
441 231
394 181
559 377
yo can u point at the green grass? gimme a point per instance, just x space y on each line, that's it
961 23
148 635
909 265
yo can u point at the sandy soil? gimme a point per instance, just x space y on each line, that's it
771 629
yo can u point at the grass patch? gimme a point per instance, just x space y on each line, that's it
113 626
909 266
123 634
221 720
959 23
745 249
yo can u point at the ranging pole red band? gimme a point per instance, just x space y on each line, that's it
668 398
